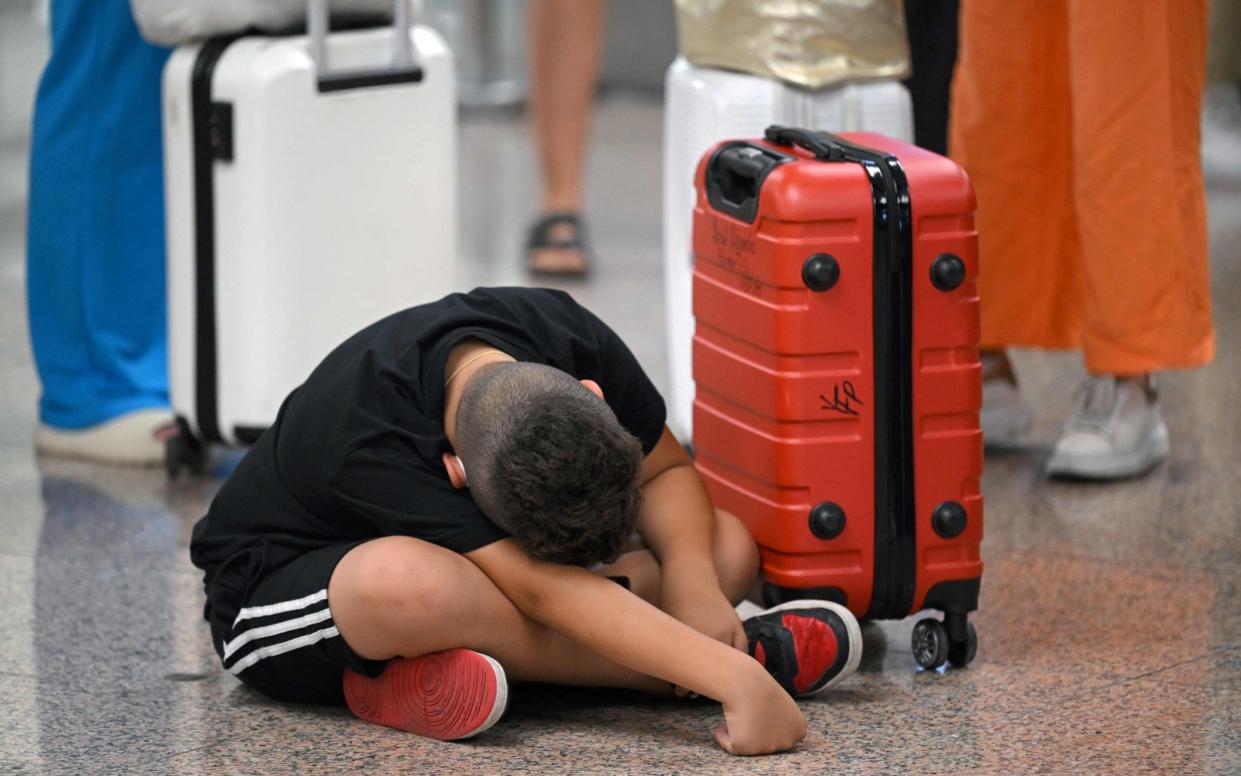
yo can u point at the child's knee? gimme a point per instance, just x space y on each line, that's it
736 555
403 578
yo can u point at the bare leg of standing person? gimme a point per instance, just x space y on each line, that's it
565 44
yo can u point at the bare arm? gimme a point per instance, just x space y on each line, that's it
613 622
678 525
622 627
677 520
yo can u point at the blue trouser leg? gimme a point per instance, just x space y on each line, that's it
95 251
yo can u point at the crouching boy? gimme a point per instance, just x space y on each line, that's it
482 490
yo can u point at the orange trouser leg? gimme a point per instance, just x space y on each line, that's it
1136 73
1011 130
1078 121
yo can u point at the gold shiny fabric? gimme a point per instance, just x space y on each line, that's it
810 43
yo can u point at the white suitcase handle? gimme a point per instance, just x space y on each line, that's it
404 68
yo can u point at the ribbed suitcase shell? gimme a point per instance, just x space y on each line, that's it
771 360
704 106
335 209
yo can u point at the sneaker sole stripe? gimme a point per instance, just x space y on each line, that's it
501 702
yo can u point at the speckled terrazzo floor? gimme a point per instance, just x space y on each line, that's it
1110 623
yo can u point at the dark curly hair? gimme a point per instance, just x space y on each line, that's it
549 462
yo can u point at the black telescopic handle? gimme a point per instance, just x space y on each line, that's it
818 143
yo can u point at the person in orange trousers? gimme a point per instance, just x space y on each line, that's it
1078 123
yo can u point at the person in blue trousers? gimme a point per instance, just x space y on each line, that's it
95 248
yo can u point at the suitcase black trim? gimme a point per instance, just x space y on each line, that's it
774 595
362 79
957 595
895 526
204 118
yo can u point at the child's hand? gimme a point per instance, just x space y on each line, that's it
761 720
705 609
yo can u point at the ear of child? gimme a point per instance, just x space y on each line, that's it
593 387
455 469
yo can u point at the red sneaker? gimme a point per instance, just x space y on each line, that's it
446 695
807 646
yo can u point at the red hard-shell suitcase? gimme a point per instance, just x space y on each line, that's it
837 375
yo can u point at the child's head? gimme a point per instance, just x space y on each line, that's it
549 462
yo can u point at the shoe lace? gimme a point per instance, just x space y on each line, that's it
1096 403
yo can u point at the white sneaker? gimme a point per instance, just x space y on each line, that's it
133 439
1005 418
1116 431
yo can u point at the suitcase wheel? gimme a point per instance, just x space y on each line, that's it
930 643
182 450
961 653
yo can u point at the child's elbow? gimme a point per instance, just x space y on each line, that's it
537 596
531 602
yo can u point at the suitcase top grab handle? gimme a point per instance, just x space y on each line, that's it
821 144
404 68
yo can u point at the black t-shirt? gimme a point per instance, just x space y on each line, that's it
354 452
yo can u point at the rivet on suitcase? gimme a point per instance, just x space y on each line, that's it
838 381
305 199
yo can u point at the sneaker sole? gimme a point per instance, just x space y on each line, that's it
130 440
450 695
851 625
1114 467
122 461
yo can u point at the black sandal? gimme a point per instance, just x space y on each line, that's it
540 239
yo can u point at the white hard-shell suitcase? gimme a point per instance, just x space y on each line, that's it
310 190
705 106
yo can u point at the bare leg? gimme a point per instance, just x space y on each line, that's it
565 41
402 597
399 596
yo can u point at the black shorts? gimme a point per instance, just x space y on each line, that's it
274 630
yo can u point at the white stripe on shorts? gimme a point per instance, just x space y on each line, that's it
280 608
297 623
271 650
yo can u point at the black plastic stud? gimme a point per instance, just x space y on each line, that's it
820 272
948 519
948 271
827 520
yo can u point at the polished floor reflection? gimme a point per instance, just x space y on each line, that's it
1110 624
